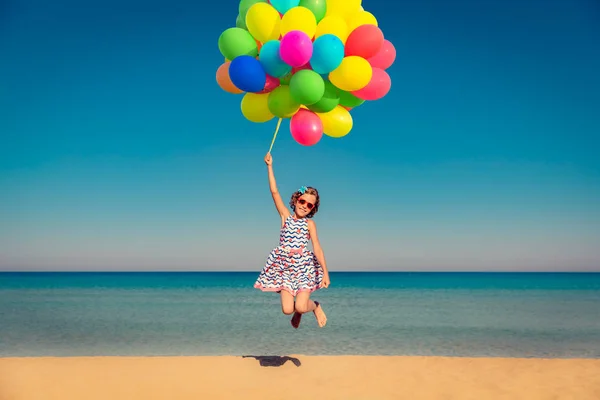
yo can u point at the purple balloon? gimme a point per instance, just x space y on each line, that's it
296 48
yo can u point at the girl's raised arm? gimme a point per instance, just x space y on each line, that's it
281 208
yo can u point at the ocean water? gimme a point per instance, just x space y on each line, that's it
450 314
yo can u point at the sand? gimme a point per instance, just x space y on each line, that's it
297 377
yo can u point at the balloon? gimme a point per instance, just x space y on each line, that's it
255 107
246 4
365 41
271 61
317 7
330 99
284 5
308 60
342 8
377 88
337 122
281 103
307 87
247 74
333 25
241 23
306 127
263 22
299 19
328 53
270 84
235 42
296 48
354 73
347 99
361 18
286 79
385 57
224 80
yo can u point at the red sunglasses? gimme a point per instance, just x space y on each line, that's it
308 205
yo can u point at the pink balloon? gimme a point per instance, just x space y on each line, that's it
385 57
378 87
296 48
270 84
306 127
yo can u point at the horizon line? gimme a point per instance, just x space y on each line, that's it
331 272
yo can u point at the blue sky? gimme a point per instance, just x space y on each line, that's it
120 152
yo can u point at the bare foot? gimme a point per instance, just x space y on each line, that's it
320 315
296 320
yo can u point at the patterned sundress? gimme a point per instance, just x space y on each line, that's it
291 266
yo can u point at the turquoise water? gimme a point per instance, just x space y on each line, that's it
456 314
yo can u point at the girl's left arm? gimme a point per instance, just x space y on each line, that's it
312 229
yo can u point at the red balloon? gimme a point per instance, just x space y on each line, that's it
306 127
300 68
270 84
365 41
385 57
378 86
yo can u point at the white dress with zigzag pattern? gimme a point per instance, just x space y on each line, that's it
291 266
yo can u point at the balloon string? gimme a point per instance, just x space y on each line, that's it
275 135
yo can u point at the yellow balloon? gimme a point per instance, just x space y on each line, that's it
342 8
299 19
263 22
361 18
354 73
333 25
255 107
337 123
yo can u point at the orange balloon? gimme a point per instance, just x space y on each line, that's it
224 80
258 44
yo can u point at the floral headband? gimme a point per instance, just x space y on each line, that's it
302 189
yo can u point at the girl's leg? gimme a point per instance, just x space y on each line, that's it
304 304
287 302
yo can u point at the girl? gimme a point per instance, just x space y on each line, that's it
291 269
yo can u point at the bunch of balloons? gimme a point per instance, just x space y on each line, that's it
308 60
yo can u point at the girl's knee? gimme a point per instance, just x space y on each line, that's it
302 307
287 310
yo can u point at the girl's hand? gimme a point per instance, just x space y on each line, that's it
325 282
268 159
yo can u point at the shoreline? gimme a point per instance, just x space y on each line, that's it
298 377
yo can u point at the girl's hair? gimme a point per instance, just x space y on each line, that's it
307 190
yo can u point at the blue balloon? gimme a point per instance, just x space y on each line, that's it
247 74
271 61
284 5
328 53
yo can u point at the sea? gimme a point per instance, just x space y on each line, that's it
549 315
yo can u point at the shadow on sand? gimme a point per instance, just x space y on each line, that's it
274 361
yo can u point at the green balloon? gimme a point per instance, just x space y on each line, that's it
235 42
330 99
246 4
241 22
285 80
347 99
281 103
307 87
318 7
